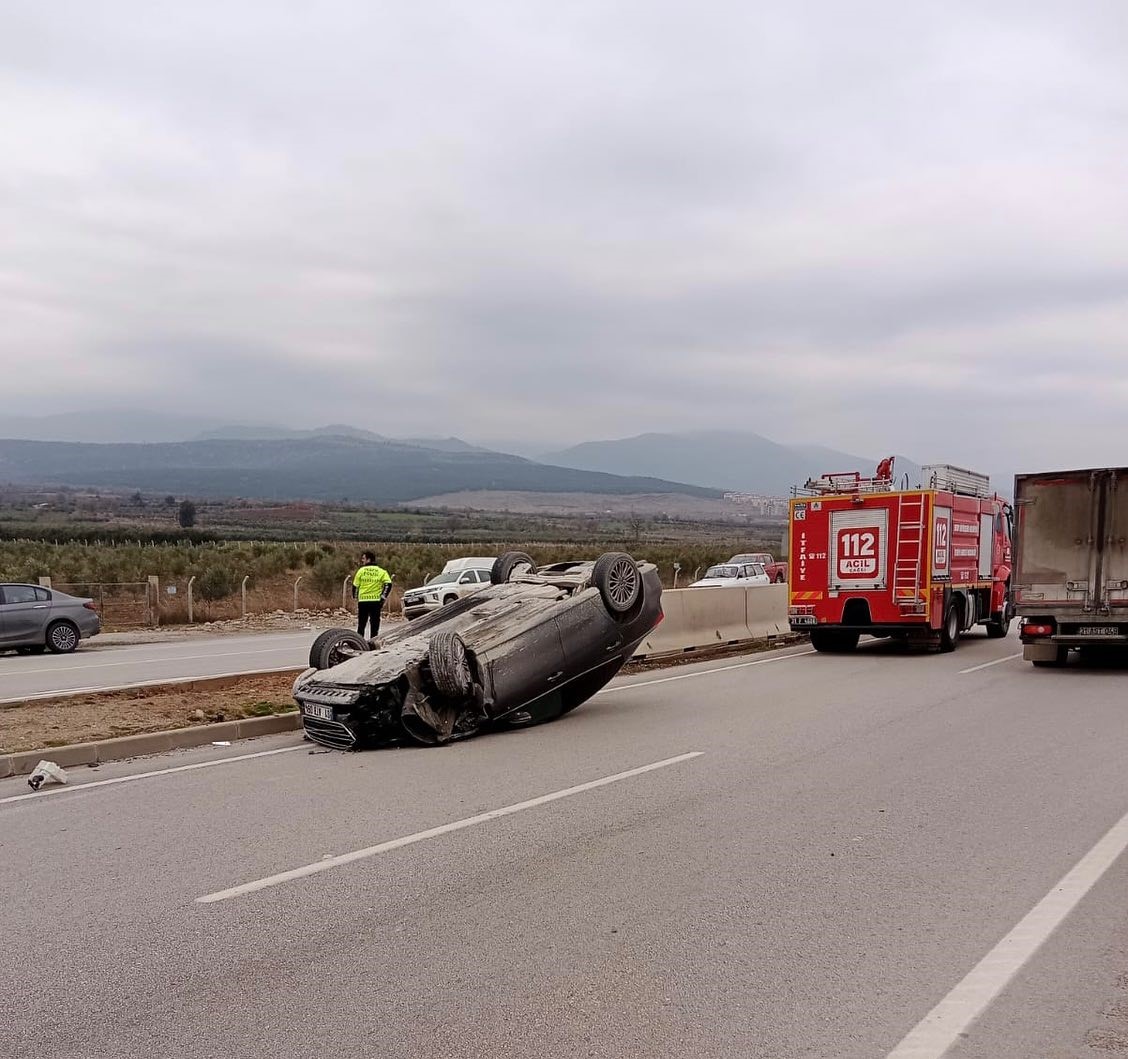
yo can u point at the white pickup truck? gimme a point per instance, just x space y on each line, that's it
459 577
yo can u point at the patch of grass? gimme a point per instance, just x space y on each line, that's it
263 708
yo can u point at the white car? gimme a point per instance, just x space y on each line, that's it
734 575
445 588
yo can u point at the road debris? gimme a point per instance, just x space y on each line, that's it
46 772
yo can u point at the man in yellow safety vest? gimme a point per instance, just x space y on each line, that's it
371 585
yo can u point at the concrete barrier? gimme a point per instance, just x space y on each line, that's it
714 617
766 613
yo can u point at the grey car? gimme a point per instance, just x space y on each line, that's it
34 619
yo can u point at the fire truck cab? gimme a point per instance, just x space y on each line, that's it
921 564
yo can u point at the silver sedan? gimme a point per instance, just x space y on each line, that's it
37 619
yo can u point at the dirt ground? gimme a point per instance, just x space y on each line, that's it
83 718
46 723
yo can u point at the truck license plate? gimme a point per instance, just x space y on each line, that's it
804 619
1099 630
322 713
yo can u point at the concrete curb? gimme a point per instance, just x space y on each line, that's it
127 746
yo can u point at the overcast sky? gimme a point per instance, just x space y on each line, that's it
879 226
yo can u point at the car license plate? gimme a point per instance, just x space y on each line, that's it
804 619
1099 630
322 713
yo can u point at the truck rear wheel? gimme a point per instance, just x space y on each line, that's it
999 626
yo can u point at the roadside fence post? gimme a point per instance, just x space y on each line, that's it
190 617
243 596
296 583
345 594
677 568
45 582
153 597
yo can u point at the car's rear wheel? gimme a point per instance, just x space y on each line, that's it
335 646
62 637
505 566
779 578
619 581
450 667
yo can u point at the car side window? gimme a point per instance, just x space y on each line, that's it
19 594
484 576
468 578
42 595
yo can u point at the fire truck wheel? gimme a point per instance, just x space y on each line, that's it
951 631
999 626
833 640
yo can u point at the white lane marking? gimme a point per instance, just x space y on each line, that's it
146 775
71 692
142 661
444 829
941 1027
987 665
704 672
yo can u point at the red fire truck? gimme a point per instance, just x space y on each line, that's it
917 564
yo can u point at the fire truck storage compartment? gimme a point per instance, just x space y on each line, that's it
859 547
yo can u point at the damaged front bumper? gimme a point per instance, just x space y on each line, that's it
347 717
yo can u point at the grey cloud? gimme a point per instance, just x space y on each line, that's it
853 225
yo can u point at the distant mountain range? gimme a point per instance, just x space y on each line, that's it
733 460
204 456
322 467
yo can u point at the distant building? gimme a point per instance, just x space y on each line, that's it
758 503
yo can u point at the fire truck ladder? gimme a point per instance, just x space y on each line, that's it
908 558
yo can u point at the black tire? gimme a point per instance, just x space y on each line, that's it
779 578
950 633
448 599
619 581
62 637
834 641
335 646
997 629
505 565
450 668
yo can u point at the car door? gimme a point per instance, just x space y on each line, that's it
588 634
23 614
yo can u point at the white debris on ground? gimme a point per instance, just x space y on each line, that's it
46 772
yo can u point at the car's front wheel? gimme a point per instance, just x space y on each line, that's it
619 581
62 637
335 646
505 566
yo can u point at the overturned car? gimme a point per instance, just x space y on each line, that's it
531 646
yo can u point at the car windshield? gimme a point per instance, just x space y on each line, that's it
445 579
723 571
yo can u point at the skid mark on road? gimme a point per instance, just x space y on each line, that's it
434 832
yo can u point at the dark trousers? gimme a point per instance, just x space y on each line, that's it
369 611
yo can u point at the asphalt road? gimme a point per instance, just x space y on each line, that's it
99 666
856 837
